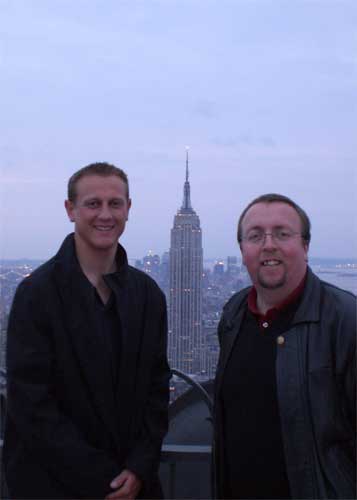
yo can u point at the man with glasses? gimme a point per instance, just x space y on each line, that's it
285 413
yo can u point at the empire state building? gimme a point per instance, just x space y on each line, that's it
185 312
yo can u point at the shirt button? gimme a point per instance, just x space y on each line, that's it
280 340
265 324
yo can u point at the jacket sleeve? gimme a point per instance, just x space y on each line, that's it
350 385
144 456
347 345
53 441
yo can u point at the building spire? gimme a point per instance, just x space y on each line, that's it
186 204
186 163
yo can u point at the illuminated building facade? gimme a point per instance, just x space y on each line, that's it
185 298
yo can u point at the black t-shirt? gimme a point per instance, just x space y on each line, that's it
108 323
254 455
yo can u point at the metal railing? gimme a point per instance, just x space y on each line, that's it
173 454
203 394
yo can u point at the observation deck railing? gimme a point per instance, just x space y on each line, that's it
172 454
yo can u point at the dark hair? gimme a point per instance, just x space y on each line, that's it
103 169
271 198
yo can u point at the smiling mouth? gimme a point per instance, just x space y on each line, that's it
271 263
104 228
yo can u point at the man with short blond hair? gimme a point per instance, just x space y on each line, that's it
285 412
87 368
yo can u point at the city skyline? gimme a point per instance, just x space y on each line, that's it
263 92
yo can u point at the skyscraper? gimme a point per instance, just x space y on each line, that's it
185 312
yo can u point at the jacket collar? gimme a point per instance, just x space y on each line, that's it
308 310
66 262
277 309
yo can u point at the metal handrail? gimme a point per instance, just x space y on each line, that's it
196 386
187 451
171 453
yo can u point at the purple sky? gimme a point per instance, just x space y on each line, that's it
263 91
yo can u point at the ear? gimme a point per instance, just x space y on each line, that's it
306 250
69 209
242 253
129 207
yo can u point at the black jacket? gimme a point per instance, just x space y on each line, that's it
316 384
67 434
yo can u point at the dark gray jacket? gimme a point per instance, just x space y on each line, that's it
316 384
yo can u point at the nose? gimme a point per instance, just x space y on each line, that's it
105 212
269 241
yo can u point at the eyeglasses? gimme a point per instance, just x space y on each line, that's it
257 236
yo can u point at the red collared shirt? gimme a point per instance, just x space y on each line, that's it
265 320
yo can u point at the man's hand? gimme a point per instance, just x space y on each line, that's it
127 485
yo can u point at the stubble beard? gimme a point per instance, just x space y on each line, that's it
269 285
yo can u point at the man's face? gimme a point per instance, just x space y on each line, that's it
274 264
100 211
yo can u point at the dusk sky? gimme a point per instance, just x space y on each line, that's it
264 92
